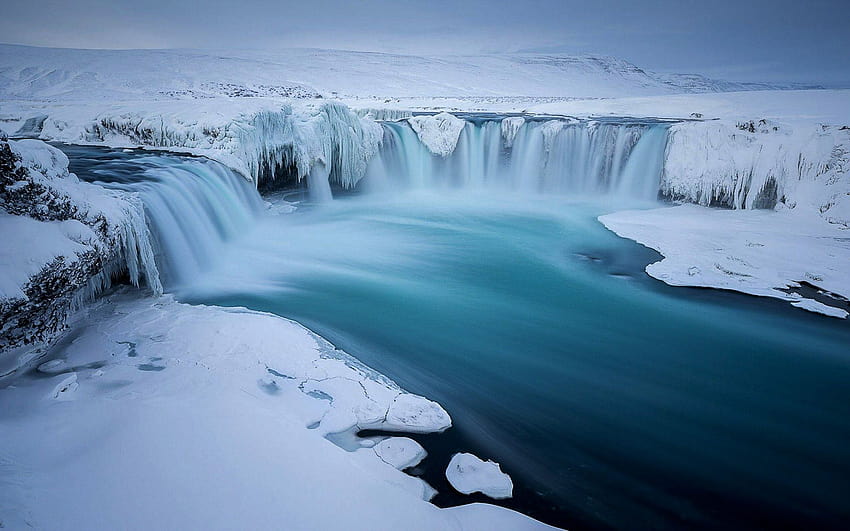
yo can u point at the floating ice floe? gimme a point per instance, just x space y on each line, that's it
400 452
467 474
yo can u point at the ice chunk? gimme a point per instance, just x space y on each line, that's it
819 307
415 414
400 452
467 474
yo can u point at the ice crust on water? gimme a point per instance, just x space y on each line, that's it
467 474
758 252
819 307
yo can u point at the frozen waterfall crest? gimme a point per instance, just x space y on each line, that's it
519 154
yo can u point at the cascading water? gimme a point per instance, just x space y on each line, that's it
549 156
193 206
610 399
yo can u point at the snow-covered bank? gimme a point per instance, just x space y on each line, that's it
760 252
63 241
216 418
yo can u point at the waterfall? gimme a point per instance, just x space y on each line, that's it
193 206
538 156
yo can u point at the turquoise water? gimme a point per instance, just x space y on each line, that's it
613 400
624 403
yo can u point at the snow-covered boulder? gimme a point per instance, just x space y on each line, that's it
63 241
439 133
467 474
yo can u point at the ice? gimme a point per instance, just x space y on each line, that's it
467 474
510 127
760 163
400 452
52 367
819 307
415 414
37 243
758 252
200 442
66 385
439 133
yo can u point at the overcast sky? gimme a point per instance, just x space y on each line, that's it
747 40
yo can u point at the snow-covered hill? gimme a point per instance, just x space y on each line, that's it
73 75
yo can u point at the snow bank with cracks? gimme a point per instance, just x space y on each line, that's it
217 417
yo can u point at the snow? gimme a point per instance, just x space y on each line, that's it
400 452
223 418
510 127
467 474
756 252
45 73
439 133
819 307
786 106
170 416
29 244
753 162
256 137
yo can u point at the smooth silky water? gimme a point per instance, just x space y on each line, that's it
613 400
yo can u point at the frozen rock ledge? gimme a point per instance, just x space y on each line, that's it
467 474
